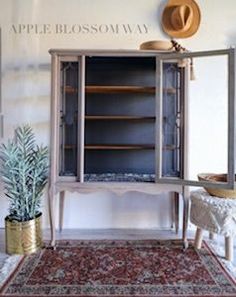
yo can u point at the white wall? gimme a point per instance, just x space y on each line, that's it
26 84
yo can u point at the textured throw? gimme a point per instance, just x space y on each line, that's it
120 268
213 214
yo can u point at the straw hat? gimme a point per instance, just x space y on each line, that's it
181 18
161 45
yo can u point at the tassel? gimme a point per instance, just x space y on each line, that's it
182 63
179 49
192 73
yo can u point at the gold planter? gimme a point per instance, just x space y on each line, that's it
23 237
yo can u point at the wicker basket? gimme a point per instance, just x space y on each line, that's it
23 237
219 192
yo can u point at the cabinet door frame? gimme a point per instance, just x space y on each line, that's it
81 119
230 184
55 115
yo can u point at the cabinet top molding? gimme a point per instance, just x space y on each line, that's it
126 52
106 52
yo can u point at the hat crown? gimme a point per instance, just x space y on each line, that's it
182 17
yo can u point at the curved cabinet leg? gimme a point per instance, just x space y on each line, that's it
61 209
172 209
176 209
185 219
51 206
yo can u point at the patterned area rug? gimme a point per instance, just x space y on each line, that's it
120 268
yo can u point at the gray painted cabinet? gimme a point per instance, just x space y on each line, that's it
119 123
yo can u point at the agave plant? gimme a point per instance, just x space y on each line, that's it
24 169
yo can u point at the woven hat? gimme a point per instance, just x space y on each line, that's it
181 18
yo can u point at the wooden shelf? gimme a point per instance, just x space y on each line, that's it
69 90
117 90
170 147
119 117
69 146
119 146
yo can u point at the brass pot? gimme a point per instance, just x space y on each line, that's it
23 237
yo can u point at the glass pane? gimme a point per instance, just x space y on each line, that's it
208 117
171 115
195 122
68 118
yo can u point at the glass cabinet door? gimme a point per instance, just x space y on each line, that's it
195 127
68 132
171 114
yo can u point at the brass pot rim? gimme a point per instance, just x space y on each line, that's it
8 219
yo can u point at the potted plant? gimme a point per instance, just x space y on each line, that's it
24 169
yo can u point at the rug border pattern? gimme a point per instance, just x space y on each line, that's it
209 258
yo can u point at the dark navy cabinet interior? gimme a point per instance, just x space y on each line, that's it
120 118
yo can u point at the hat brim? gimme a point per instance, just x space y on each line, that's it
166 17
159 45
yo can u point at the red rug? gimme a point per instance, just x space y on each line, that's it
120 268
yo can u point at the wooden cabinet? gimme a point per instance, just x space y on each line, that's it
118 123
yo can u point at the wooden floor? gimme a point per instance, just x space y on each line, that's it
119 234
